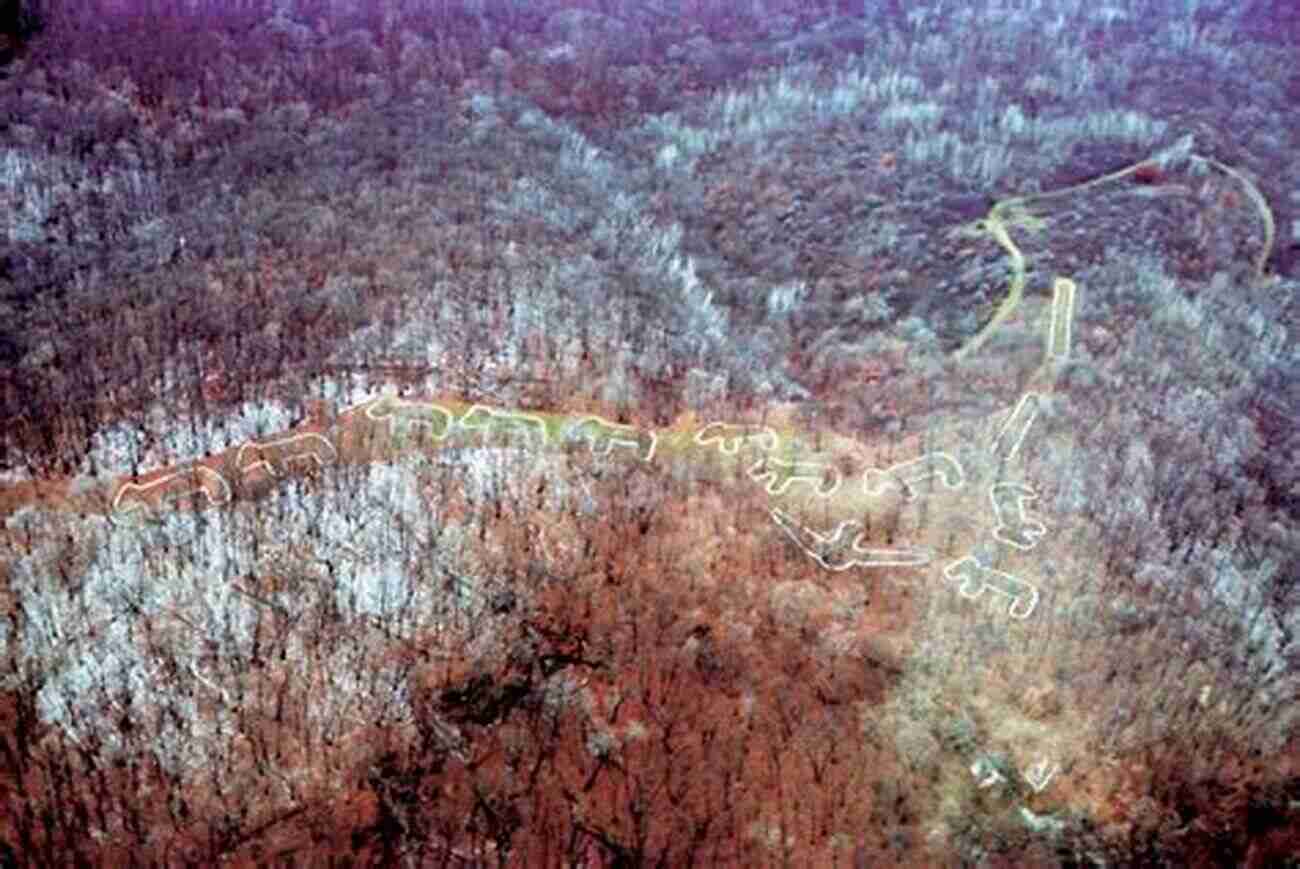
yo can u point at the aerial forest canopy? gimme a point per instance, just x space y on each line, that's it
642 432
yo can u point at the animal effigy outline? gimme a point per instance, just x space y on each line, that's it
484 418
975 579
909 475
442 423
178 486
843 548
731 437
776 476
266 456
424 414
603 435
1013 524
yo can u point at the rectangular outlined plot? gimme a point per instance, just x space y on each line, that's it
1062 321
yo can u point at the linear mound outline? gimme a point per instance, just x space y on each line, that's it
1064 296
1020 418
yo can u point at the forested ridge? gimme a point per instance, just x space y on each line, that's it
659 433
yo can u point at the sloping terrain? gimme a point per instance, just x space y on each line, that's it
512 452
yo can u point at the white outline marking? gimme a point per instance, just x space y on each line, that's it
505 418
268 466
363 406
606 436
1040 775
1058 332
908 475
731 436
975 579
827 549
199 479
393 410
776 476
1014 526
982 767
1021 418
